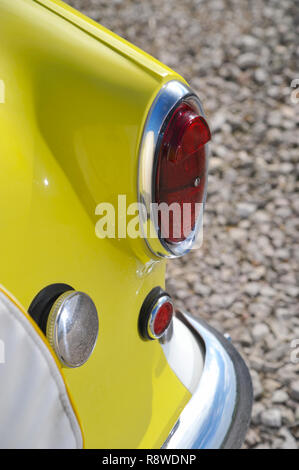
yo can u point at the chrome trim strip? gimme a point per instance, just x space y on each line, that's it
218 414
168 98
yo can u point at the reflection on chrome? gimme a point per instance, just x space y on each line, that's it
219 411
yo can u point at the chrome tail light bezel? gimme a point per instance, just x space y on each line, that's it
171 95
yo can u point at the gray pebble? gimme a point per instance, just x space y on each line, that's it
259 331
280 396
294 390
247 60
271 418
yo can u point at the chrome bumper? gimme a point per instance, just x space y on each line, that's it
218 414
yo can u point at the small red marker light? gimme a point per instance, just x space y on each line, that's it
163 318
156 314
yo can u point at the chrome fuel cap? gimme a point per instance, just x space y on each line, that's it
72 328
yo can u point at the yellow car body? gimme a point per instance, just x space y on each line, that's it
74 99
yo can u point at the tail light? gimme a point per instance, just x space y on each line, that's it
181 171
173 171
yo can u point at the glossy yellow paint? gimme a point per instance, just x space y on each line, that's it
74 101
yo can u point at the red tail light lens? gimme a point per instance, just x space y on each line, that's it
181 172
172 173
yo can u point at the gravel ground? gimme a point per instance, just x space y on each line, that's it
241 57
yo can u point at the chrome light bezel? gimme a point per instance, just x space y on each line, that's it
151 320
171 95
150 308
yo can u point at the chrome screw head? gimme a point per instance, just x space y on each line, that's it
197 182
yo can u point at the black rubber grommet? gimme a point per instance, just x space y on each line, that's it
42 303
146 309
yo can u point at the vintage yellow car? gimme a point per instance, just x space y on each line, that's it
94 133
